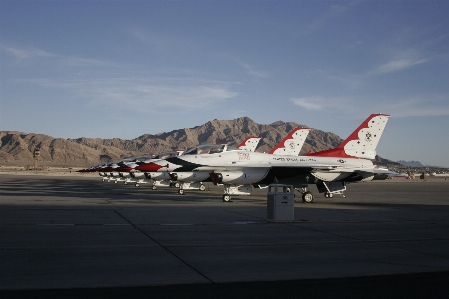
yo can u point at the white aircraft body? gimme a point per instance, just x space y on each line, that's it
290 145
240 170
127 170
191 182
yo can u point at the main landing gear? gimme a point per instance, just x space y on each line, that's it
307 197
226 197
190 186
175 185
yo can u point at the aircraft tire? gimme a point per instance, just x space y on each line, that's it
226 197
307 197
153 187
137 185
202 188
181 191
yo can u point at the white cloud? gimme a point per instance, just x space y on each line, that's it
106 85
165 43
424 105
431 105
398 65
252 71
308 103
333 13
150 96
26 53
53 59
321 103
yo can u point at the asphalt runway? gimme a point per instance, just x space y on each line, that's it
75 236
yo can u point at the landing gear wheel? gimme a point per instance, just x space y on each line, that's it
137 185
181 191
226 197
328 195
307 197
202 188
176 185
115 182
125 183
153 187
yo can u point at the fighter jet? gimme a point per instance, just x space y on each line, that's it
186 180
290 145
240 170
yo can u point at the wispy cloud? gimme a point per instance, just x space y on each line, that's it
359 80
35 55
150 97
254 72
144 95
116 86
164 43
397 65
320 103
21 53
425 105
308 103
332 13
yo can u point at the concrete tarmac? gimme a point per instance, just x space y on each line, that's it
75 236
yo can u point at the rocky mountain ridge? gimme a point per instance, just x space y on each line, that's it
16 148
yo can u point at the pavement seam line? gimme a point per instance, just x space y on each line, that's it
165 248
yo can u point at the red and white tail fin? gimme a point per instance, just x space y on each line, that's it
250 143
362 142
292 143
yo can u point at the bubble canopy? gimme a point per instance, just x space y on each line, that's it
210 149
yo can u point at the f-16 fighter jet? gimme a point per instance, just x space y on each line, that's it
290 145
241 170
192 182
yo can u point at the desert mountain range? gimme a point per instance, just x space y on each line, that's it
16 148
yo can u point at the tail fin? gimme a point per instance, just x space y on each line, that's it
292 143
362 142
250 143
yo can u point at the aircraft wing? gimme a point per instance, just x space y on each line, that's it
383 174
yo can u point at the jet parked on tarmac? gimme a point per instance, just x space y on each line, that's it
164 179
290 145
330 170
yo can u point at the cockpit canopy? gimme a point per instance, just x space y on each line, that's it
165 155
140 158
210 149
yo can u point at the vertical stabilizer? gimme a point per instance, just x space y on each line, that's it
362 142
250 143
292 143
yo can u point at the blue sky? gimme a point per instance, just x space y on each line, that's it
105 69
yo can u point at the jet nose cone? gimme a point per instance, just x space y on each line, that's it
149 167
